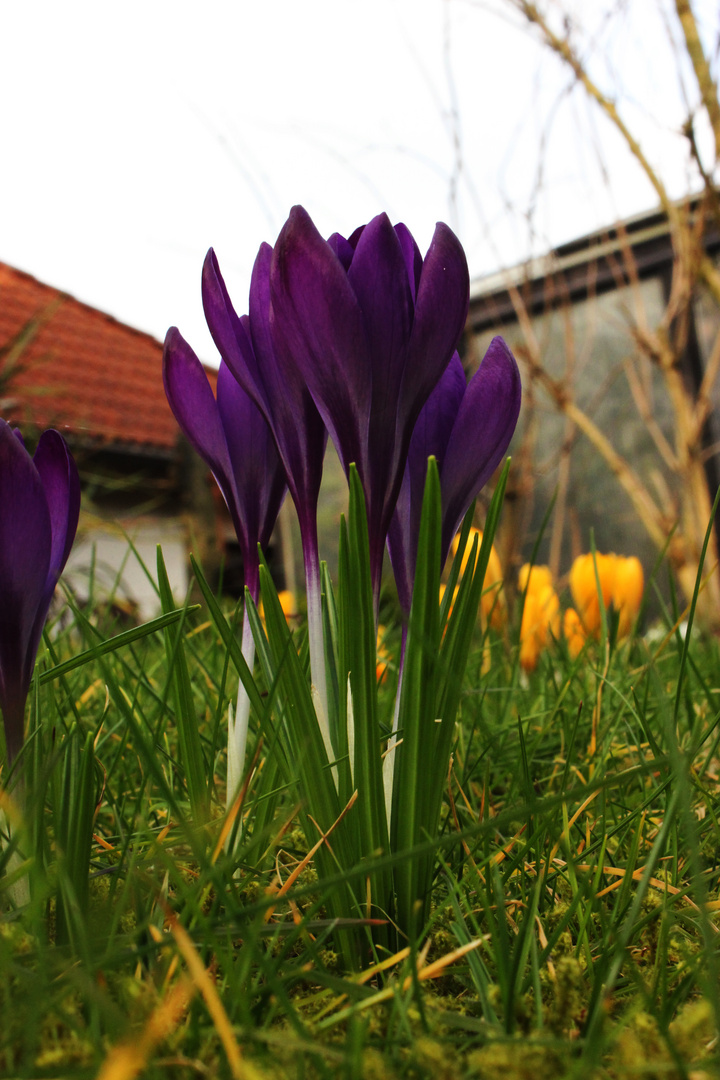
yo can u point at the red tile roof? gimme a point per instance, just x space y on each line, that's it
79 370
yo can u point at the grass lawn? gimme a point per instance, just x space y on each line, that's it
572 926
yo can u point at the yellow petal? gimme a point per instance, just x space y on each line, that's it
628 591
583 586
533 578
573 632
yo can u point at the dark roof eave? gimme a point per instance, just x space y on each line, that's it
568 266
79 439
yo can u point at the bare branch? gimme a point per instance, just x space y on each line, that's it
708 88
563 49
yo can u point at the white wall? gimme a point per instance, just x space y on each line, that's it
117 570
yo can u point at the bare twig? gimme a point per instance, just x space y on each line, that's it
706 84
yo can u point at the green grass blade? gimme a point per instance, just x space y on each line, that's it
196 772
226 631
693 604
413 803
361 636
120 641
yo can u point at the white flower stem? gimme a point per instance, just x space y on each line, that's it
316 642
389 757
238 725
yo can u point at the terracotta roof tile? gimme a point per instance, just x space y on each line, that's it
79 370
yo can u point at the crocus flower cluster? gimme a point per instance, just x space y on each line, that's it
543 622
621 584
355 337
39 509
372 327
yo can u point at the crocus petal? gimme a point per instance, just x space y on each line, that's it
440 314
342 248
411 255
628 586
231 334
481 434
193 404
430 437
299 431
59 475
435 423
257 325
379 279
256 466
318 319
25 551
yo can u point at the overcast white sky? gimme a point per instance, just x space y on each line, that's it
136 135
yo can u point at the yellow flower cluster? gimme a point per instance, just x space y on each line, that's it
621 583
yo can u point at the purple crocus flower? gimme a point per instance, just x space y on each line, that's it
273 382
39 509
231 435
371 328
276 385
468 429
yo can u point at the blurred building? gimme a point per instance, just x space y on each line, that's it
575 314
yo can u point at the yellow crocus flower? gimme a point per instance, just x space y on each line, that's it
541 616
492 602
621 584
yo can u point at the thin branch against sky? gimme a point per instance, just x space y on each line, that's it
426 108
